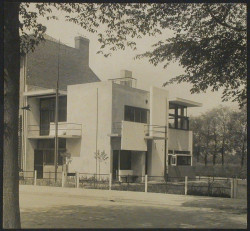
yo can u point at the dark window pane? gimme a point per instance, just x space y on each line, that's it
48 157
137 116
183 160
62 143
144 116
125 160
132 114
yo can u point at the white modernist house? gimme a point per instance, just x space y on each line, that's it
141 132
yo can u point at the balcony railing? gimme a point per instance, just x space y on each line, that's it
64 129
149 130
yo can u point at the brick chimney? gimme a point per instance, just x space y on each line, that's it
82 44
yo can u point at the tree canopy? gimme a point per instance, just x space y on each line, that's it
220 136
209 40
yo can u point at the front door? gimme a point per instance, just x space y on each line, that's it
38 163
115 164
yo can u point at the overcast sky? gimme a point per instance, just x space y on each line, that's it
145 73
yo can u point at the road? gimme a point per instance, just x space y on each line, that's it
52 207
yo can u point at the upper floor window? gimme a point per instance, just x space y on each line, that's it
178 117
47 108
135 114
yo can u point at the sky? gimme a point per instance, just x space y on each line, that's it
146 74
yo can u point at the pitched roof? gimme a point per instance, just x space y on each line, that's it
43 66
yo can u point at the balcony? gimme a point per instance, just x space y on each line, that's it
65 130
134 135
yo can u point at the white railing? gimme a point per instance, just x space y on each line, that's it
64 129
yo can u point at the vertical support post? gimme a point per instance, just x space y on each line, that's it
232 188
63 177
186 184
35 176
77 179
146 183
165 154
235 187
56 115
119 160
49 177
110 181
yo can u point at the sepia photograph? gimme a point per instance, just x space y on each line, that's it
124 115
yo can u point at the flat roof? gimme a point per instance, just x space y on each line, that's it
47 92
185 102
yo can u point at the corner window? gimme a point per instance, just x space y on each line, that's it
178 117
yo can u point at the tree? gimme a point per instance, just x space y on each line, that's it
238 134
66 159
100 157
209 40
11 214
221 130
196 123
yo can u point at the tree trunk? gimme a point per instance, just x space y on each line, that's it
11 213
222 152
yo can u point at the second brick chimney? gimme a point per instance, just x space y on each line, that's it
82 44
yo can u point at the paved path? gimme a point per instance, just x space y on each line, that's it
52 207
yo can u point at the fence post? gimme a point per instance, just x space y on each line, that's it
49 178
110 181
35 176
235 187
186 184
232 188
77 179
146 183
62 178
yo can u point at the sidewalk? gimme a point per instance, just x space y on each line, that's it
146 198
56 207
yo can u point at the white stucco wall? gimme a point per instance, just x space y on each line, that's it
82 108
180 140
33 118
158 116
132 137
124 95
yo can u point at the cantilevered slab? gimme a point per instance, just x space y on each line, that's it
46 92
185 102
52 137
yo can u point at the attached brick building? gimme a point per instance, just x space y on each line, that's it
39 70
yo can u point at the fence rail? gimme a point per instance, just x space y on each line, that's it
206 186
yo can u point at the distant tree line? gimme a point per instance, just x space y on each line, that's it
220 136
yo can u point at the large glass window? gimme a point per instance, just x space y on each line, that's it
184 160
48 149
125 160
48 105
178 117
135 114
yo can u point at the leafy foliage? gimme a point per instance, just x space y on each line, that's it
209 40
221 134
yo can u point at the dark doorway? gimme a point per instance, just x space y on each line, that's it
115 164
38 163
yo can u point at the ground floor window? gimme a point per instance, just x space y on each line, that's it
49 156
184 160
125 160
46 148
